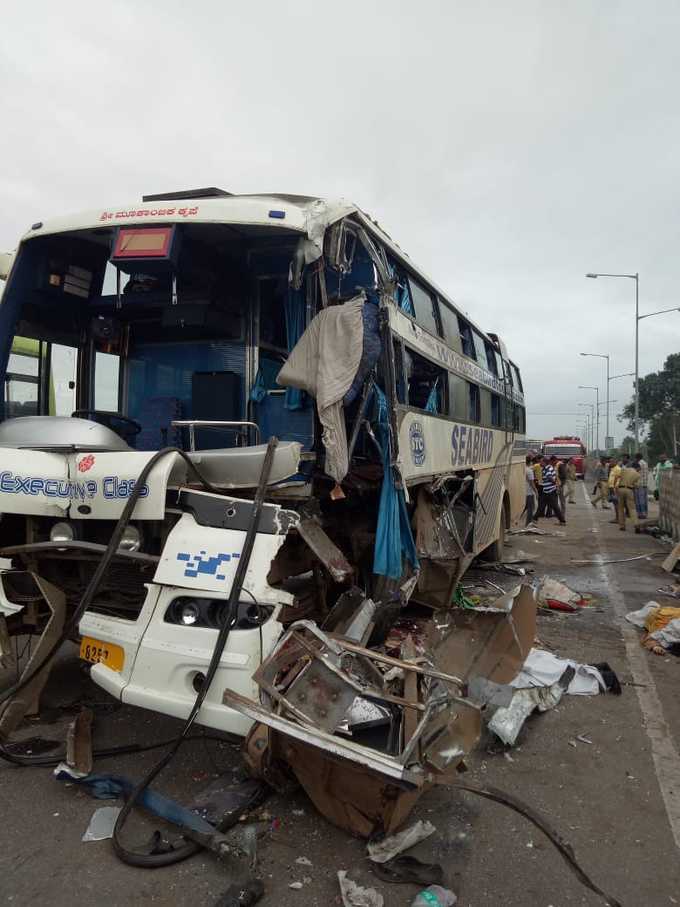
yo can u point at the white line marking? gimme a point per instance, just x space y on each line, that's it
664 753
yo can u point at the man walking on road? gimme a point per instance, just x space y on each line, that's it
625 491
549 497
642 490
601 484
571 481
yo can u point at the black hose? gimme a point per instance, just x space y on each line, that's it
189 848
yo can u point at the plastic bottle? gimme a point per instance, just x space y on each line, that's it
435 896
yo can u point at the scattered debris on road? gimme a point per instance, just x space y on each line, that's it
386 849
557 596
354 895
102 823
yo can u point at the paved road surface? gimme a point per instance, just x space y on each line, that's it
617 801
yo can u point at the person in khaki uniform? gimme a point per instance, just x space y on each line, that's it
601 492
625 491
571 481
612 483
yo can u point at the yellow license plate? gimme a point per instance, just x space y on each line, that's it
105 653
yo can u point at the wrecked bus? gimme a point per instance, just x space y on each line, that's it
206 323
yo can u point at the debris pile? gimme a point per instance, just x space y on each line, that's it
367 713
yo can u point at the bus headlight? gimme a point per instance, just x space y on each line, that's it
61 532
131 539
189 614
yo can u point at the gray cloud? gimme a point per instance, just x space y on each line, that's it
508 148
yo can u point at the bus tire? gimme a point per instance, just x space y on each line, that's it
494 552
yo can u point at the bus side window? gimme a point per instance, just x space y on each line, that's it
474 412
425 303
491 358
458 397
22 380
496 411
516 377
499 363
480 351
451 327
399 376
427 385
465 332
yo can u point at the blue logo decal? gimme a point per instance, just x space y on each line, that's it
417 443
201 563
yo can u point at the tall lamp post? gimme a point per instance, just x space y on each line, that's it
638 319
592 387
589 416
606 418
636 278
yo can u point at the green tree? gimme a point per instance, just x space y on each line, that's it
659 409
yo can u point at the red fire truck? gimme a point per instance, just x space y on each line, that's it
565 447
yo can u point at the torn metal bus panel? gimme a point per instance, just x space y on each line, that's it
490 642
202 326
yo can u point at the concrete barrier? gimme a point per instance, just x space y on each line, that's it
669 503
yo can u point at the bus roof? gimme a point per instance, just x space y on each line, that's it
303 214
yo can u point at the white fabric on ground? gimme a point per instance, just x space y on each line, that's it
542 669
638 618
324 363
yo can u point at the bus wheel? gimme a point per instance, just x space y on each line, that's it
494 552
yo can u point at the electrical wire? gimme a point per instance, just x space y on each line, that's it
189 848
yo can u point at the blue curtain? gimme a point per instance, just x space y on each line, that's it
393 537
432 405
402 292
294 308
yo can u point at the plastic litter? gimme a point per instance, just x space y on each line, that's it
435 896
303 861
296 886
101 823
354 895
388 848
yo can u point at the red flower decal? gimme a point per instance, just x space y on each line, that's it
86 463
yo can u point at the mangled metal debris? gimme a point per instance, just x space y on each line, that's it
366 733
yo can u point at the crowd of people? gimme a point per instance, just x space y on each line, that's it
621 482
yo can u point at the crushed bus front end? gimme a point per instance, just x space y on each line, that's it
202 327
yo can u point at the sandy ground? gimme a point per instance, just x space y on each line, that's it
605 798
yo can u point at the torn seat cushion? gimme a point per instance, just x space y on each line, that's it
324 363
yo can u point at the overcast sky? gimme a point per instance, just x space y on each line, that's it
507 147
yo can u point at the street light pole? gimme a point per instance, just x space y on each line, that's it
638 319
603 356
591 424
636 278
592 387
